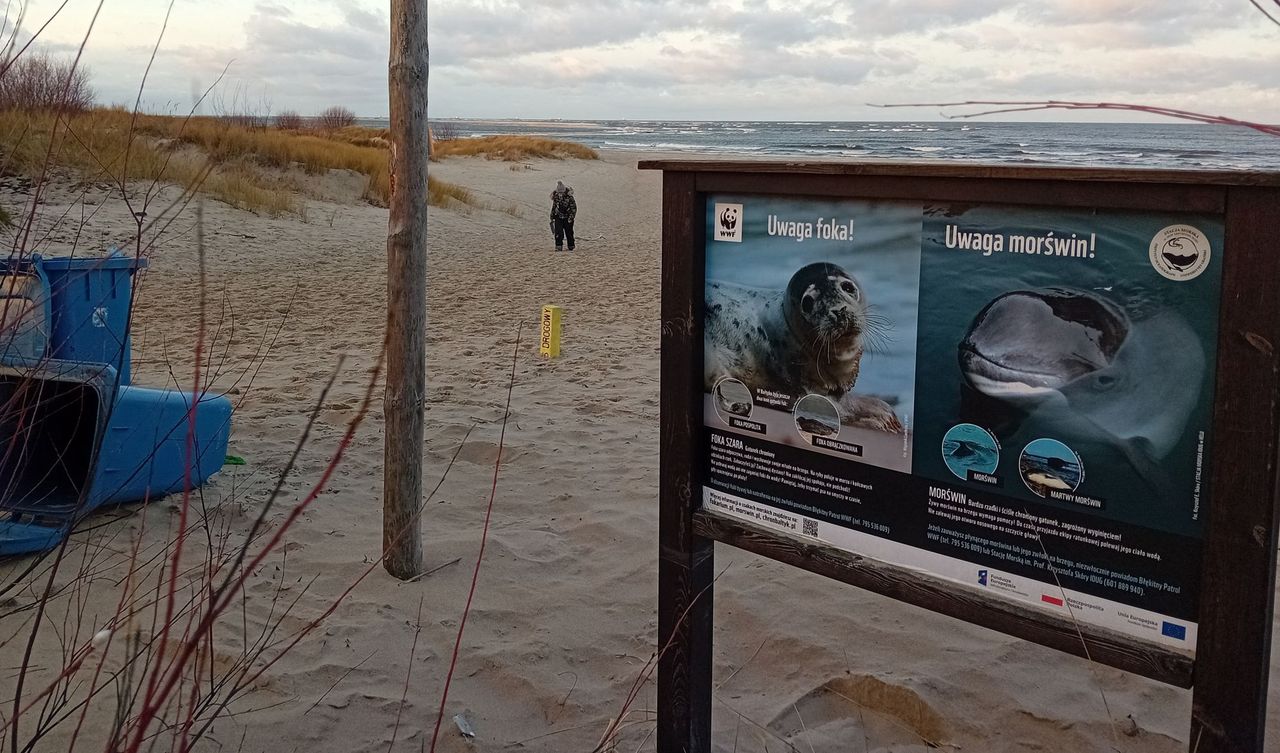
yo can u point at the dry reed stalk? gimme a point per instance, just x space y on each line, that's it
484 538
185 600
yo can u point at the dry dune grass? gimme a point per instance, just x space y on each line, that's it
239 165
98 145
513 148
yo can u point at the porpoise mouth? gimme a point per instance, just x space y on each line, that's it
1029 343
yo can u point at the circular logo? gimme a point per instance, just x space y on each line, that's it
969 447
732 399
816 416
1180 252
1048 466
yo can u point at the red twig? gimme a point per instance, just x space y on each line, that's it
1000 107
175 669
650 666
303 632
408 672
1266 12
484 537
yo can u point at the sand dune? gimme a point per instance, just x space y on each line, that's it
564 616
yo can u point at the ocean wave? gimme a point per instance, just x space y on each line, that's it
818 147
1055 153
1190 146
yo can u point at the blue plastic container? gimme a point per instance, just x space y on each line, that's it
72 440
149 439
74 434
90 305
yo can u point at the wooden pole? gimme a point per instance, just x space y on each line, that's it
406 291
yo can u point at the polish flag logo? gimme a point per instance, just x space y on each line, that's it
1054 600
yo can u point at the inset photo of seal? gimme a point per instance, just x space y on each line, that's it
1048 465
969 447
732 398
816 415
807 337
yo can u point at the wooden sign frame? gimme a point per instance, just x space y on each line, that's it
1229 673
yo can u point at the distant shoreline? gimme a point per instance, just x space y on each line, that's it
1170 145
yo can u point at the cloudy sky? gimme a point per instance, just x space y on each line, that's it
687 59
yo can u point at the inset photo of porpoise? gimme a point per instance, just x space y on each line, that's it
968 447
1078 362
809 337
1049 465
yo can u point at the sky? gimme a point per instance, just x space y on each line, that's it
682 59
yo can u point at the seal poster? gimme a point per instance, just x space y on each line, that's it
809 299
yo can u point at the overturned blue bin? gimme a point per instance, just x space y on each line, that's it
74 434
90 305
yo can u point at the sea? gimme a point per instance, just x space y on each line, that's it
1167 145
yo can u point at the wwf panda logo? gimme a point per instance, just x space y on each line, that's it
727 223
729 218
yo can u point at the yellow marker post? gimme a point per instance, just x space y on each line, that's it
550 338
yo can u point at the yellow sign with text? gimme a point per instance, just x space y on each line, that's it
550 338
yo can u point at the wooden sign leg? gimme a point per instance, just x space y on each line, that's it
685 560
1233 652
684 637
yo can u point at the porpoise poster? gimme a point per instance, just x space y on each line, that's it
1015 399
1094 330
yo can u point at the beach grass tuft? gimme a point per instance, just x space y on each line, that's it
513 148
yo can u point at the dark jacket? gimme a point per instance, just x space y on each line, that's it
563 207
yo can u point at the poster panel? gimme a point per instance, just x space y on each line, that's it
1014 399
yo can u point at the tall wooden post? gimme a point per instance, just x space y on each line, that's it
406 291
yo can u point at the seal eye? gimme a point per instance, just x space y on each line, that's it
806 304
849 288
1105 381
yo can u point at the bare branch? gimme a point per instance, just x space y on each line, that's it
1000 107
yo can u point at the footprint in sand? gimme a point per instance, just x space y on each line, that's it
485 453
886 716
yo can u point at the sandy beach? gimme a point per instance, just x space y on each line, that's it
564 617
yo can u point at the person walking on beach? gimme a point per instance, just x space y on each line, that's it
563 210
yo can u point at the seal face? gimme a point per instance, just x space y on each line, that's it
825 305
805 339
